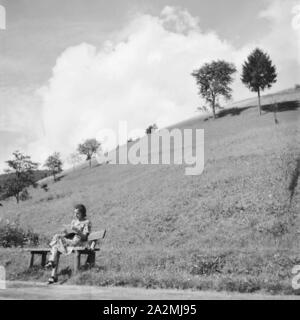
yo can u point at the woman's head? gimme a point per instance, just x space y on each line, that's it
80 211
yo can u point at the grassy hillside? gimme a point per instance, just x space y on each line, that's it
234 227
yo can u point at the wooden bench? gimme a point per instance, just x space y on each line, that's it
90 251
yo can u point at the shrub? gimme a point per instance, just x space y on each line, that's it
244 284
207 265
24 195
12 235
45 187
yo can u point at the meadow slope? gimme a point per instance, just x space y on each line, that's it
234 227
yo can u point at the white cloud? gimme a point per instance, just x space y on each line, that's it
145 77
179 20
283 41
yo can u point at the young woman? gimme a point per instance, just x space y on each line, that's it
65 242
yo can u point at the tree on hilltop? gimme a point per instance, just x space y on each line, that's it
151 128
89 148
54 164
213 80
258 73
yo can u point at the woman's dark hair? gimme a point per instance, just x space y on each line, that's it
81 209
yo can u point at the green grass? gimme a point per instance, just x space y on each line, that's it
231 228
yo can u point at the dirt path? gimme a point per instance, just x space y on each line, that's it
40 291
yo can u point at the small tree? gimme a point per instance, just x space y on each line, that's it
89 148
258 73
54 164
21 175
213 80
74 158
151 128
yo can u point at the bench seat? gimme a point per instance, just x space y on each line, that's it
46 250
90 251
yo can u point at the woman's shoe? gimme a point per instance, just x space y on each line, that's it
52 280
50 264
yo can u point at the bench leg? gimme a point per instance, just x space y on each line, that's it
43 259
31 262
77 261
91 258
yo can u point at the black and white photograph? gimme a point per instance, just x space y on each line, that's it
149 150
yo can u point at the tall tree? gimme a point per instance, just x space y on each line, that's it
213 80
89 148
21 175
54 164
258 73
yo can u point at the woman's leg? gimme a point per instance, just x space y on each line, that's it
57 246
53 262
54 240
55 267
53 253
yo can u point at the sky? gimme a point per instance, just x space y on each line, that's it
70 68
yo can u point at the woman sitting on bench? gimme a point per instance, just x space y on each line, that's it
65 242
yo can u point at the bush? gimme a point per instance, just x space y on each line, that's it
244 284
12 235
207 265
297 86
24 195
45 187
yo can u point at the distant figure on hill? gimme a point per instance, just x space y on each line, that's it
74 235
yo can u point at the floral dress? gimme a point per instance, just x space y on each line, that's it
64 245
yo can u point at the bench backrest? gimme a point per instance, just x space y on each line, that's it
97 235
